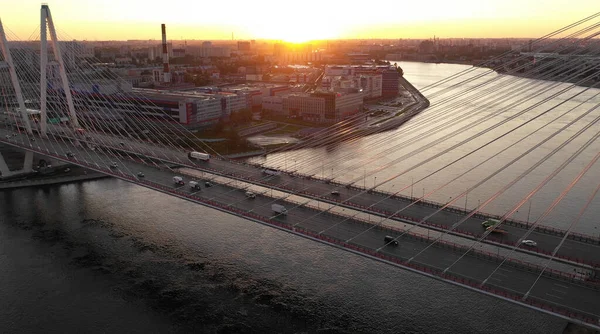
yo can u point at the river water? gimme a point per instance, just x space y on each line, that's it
108 256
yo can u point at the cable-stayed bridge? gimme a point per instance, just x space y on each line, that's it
115 131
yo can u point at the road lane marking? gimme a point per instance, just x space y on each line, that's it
562 286
553 296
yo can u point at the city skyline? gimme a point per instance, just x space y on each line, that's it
311 20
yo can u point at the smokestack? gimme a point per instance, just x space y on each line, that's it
166 73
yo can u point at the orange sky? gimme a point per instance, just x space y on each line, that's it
299 21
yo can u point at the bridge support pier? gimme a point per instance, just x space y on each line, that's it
26 169
28 162
4 167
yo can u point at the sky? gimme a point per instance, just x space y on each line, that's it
295 21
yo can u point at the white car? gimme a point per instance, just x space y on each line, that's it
529 243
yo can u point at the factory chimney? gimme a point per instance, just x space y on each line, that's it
166 73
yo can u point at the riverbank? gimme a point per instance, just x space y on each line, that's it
406 112
409 107
500 69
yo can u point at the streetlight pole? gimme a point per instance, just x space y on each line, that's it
412 183
466 198
528 213
365 179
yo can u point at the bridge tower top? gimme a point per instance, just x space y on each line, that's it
46 23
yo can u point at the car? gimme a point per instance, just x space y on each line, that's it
140 174
389 240
113 165
67 170
208 184
70 155
250 194
529 243
335 193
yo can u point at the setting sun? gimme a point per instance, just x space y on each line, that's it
304 21
295 33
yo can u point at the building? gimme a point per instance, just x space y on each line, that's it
257 92
191 109
318 107
370 84
273 104
366 78
207 50
244 46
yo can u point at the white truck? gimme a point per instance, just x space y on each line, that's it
178 180
279 209
199 156
194 185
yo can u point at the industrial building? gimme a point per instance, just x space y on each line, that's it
390 76
318 107
256 92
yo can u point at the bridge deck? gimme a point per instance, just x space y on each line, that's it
574 297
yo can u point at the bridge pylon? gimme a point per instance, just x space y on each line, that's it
14 79
46 24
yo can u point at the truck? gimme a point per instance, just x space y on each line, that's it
194 185
279 209
178 180
199 156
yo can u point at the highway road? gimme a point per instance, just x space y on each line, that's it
377 203
566 292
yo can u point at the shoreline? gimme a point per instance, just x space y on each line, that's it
528 75
401 116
